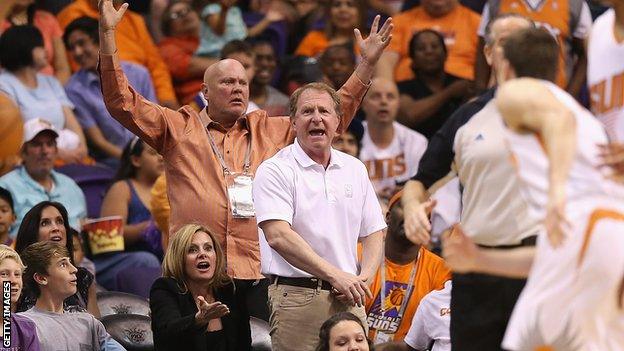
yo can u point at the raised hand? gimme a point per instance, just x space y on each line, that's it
417 224
207 311
459 251
372 47
109 15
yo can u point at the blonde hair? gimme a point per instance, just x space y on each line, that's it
8 252
173 263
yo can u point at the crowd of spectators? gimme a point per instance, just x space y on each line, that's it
174 107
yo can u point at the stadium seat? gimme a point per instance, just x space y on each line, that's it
114 302
93 180
132 331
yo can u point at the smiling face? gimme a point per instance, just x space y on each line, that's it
381 103
83 49
265 63
347 336
315 123
52 226
226 87
11 271
344 14
201 259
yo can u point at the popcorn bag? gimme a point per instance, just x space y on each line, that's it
105 234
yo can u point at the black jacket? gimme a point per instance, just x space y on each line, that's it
173 319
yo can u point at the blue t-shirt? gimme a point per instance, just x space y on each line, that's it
210 43
46 101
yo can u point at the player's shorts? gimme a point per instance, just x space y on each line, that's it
572 297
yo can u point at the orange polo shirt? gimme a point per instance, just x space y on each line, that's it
431 274
134 44
459 28
196 185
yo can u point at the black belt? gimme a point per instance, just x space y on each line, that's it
528 241
310 283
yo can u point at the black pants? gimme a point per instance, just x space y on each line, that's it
480 309
255 295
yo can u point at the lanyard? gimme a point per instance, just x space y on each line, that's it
215 149
408 292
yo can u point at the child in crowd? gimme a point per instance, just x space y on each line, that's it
23 335
50 273
7 216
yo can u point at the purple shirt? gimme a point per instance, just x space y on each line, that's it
84 91
23 335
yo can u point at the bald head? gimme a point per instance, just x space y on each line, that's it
226 88
504 25
381 103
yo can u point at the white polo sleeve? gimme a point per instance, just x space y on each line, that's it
372 216
273 193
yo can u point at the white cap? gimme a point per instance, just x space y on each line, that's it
33 127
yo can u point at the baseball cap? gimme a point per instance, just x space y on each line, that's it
33 127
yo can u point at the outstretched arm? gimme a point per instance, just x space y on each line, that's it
527 106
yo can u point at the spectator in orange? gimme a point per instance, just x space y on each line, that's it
344 16
160 209
11 134
411 272
19 12
135 45
457 23
180 26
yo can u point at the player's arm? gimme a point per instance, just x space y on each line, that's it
527 106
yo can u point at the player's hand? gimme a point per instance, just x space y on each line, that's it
556 223
612 155
417 224
207 311
459 251
354 288
109 15
372 47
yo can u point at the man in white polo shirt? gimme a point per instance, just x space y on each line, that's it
313 204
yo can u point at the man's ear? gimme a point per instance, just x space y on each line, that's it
204 90
40 279
487 52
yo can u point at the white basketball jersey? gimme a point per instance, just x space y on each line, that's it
396 163
605 75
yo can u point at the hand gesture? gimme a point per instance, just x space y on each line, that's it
109 16
417 224
274 15
372 47
207 311
459 251
350 289
612 155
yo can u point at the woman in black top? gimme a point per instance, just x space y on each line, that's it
47 221
193 305
429 99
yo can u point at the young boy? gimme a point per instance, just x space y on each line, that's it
50 273
7 216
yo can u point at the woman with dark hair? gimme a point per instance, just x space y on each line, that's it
429 99
20 12
193 305
129 197
22 55
343 17
47 221
343 331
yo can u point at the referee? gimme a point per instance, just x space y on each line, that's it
493 211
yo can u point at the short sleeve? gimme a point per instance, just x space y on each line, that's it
417 337
273 193
581 30
372 215
211 9
58 91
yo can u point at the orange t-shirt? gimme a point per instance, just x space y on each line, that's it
459 28
50 30
134 44
314 43
431 274
177 53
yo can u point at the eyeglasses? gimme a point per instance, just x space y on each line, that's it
180 13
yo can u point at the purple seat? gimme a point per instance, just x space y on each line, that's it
94 182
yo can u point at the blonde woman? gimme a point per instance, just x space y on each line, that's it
193 305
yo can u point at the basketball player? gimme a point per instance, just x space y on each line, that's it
570 301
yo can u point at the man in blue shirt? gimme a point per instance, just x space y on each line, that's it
103 132
36 181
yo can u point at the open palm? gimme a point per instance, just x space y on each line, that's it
372 47
109 15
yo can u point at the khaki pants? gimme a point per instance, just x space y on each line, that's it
298 313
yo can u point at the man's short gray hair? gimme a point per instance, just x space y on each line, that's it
489 39
322 87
